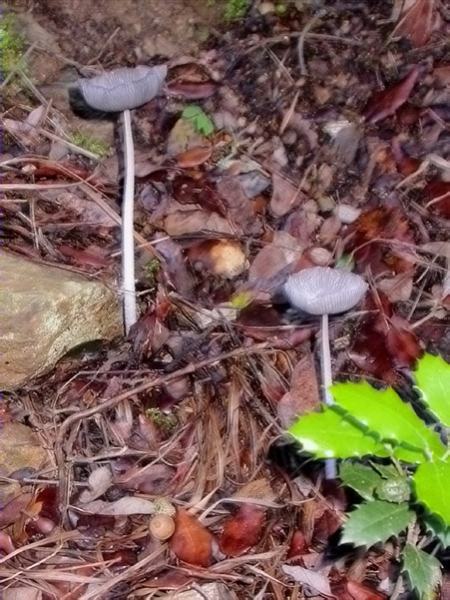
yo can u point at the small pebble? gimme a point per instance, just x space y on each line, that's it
346 213
266 8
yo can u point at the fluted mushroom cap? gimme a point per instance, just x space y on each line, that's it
323 290
123 88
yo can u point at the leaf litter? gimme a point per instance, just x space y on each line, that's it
289 142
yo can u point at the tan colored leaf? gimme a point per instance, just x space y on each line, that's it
417 22
285 196
194 157
303 395
128 505
195 221
99 481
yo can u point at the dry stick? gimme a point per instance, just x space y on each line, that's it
111 402
301 41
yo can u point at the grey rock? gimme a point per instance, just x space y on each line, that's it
45 312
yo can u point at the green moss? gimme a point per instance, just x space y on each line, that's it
89 143
165 422
151 270
11 45
235 9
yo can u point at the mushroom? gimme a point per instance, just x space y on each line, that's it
325 291
121 90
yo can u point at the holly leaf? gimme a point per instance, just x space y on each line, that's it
328 434
433 384
384 413
199 119
438 528
375 521
362 479
423 571
431 486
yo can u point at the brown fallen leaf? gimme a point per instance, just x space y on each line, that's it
285 196
417 22
438 195
194 157
283 250
384 103
243 530
303 395
191 542
358 591
192 90
196 221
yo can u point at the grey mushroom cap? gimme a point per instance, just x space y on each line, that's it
123 88
323 290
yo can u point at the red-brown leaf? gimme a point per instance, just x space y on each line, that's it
194 157
192 90
438 196
358 591
384 104
298 547
243 530
417 22
191 542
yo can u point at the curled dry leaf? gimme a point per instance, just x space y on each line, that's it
358 591
191 542
417 22
128 505
318 580
303 395
196 221
194 157
99 481
273 258
384 104
285 196
243 530
224 258
192 90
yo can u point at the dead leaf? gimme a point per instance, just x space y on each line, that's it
151 479
260 489
27 131
92 256
384 104
194 157
297 547
100 480
303 395
128 505
398 288
192 90
317 580
195 221
191 542
243 530
417 23
224 258
10 512
285 196
358 591
6 545
183 137
22 593
438 195
148 335
283 250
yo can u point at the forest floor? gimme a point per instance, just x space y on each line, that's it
302 134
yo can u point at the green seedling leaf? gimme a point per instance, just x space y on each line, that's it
423 571
362 479
386 471
431 486
437 527
328 434
433 384
374 522
199 119
384 413
395 489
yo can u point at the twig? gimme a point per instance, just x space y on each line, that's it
302 38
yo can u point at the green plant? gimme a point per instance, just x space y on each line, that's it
199 119
366 422
11 45
235 9
151 270
89 143
165 422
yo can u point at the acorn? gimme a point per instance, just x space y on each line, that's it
162 526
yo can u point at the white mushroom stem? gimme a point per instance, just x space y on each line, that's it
128 277
327 381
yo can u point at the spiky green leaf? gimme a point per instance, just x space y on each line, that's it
383 412
431 486
438 528
423 571
362 479
375 521
433 384
327 434
395 489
